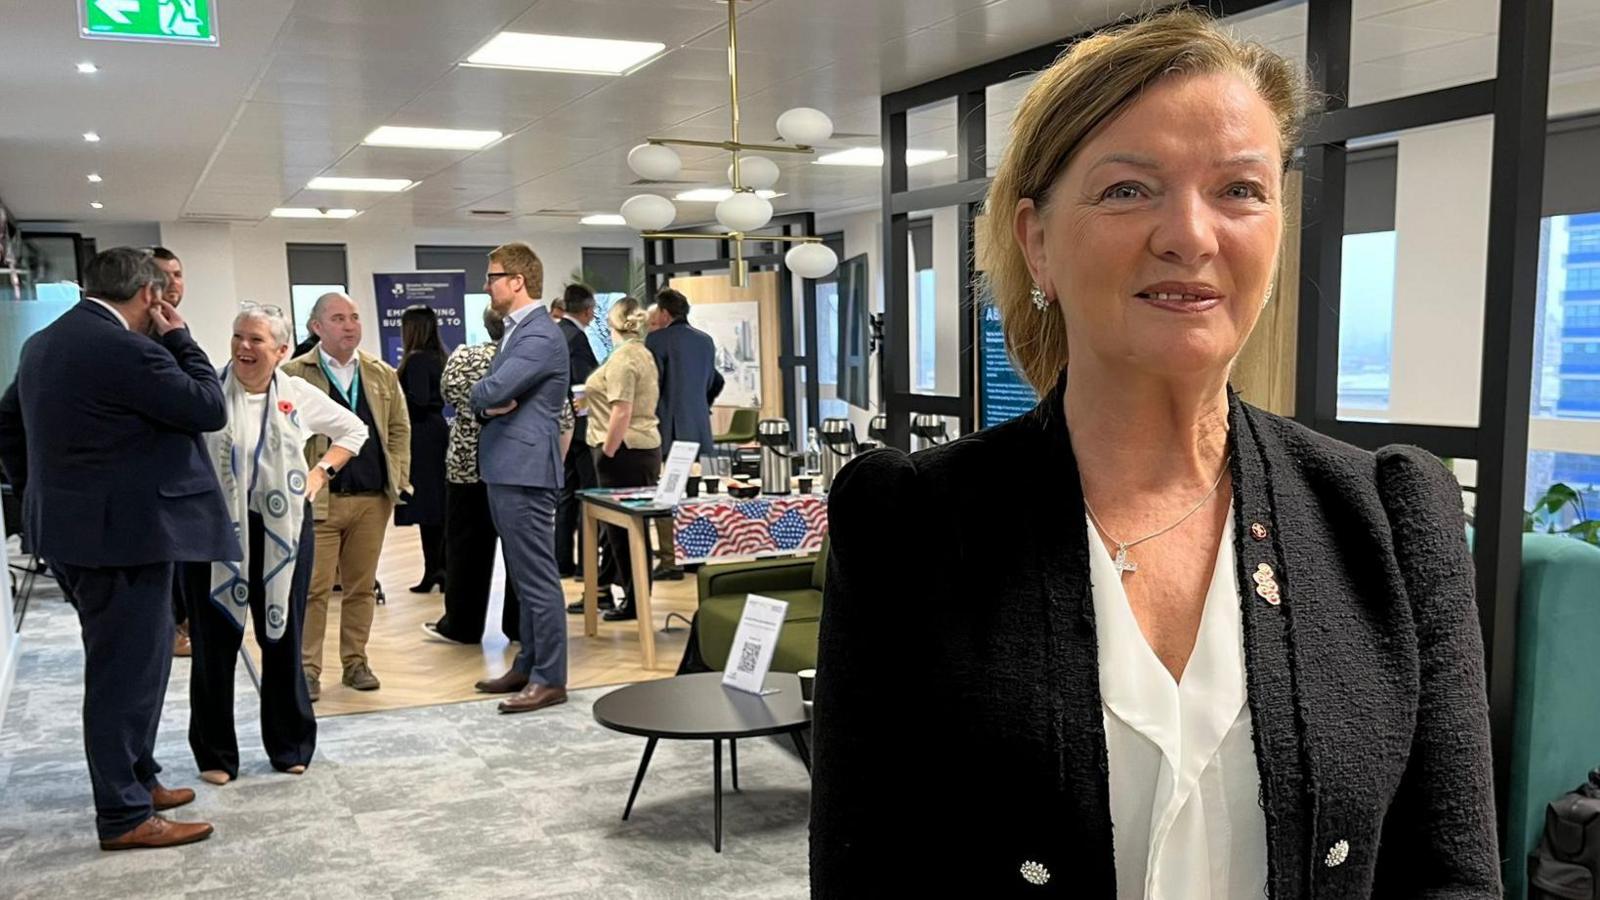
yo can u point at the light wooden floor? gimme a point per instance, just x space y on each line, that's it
419 672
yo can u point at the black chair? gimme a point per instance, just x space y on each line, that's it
29 572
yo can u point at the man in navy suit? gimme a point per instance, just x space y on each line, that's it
110 402
519 458
578 473
690 381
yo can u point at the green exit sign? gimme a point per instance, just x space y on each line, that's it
175 21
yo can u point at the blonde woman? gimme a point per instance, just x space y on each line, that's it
624 434
1196 651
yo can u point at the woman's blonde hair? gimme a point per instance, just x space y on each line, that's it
627 317
1091 83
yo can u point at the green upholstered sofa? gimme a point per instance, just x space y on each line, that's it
796 580
1556 737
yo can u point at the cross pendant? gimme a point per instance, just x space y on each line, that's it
1122 562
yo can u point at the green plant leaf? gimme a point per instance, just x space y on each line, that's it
1587 530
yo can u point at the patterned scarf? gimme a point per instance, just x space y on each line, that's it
269 479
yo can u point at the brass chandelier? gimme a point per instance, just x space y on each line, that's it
744 211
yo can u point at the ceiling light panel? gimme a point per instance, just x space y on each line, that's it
562 53
302 212
431 138
378 185
603 219
873 156
717 195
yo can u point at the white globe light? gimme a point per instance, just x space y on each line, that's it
648 212
756 172
811 260
655 162
804 125
744 212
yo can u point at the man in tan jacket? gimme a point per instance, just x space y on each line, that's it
352 516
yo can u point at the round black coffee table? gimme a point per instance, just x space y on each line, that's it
698 708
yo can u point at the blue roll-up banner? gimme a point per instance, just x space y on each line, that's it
444 292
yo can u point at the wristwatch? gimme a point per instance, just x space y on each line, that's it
328 469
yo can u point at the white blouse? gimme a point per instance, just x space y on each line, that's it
1185 809
319 414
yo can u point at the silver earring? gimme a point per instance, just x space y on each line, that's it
1039 301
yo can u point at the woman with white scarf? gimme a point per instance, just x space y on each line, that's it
260 462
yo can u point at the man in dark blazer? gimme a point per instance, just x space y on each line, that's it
690 381
578 474
519 458
110 402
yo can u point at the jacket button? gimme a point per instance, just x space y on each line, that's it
1337 854
1258 531
1034 873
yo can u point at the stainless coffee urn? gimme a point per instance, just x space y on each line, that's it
927 430
776 456
838 448
878 430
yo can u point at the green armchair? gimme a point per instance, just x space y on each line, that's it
795 580
1556 738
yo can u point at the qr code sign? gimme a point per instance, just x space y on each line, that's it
747 656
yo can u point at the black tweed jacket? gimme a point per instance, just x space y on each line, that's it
958 729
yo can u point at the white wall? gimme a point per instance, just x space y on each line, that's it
1441 260
227 264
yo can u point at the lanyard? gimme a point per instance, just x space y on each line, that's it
355 384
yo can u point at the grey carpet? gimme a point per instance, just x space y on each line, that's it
446 801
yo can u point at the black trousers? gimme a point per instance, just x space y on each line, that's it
470 541
628 468
126 616
435 559
288 726
579 475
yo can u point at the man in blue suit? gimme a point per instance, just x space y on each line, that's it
108 407
690 382
519 458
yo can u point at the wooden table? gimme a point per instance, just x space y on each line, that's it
601 505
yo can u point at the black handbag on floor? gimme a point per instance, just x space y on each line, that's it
1566 865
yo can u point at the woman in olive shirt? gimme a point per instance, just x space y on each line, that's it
623 429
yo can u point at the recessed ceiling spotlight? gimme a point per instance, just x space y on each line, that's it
563 53
303 212
96 204
382 185
91 137
87 68
431 138
94 178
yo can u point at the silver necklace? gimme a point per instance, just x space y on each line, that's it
1122 562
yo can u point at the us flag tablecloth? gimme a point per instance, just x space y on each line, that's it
710 528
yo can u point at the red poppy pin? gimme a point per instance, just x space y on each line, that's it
285 407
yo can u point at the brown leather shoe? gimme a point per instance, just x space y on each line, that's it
534 697
509 683
157 832
164 798
181 645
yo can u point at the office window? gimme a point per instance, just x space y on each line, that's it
473 260
1366 321
314 270
925 309
608 270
